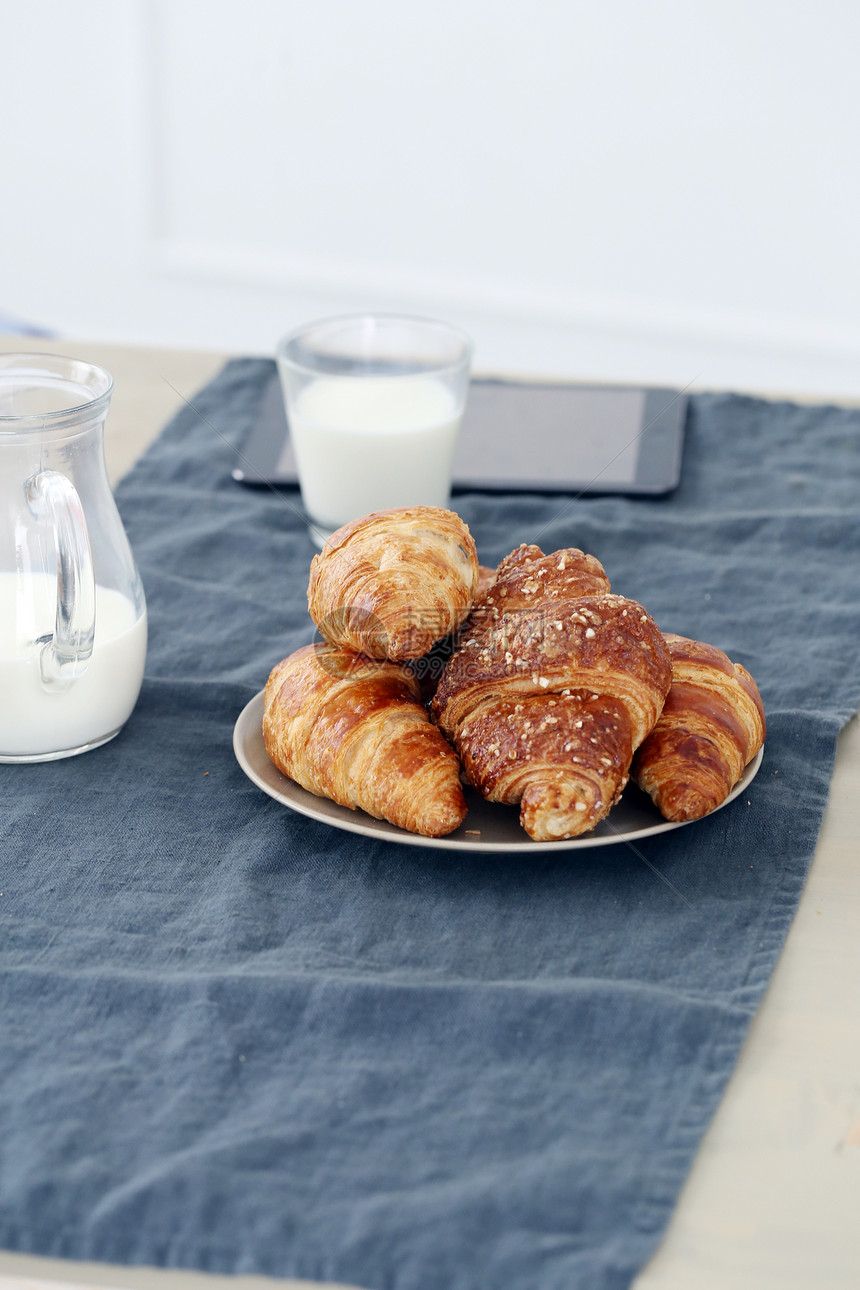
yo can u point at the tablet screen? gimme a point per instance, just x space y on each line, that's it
541 432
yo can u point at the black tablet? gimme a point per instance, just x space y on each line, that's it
532 436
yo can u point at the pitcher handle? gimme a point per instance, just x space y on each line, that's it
65 655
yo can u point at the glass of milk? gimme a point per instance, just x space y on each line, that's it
72 610
374 404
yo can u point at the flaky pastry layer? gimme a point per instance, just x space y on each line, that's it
711 727
353 729
393 583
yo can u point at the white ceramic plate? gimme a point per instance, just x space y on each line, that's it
487 827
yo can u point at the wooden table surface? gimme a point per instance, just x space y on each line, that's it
773 1199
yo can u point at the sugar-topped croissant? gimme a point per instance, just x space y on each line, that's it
555 684
354 730
711 726
395 582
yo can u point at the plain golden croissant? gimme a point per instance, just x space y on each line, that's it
555 684
353 729
393 583
711 726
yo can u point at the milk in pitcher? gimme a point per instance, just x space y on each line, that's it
35 719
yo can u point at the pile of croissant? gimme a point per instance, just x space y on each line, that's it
549 693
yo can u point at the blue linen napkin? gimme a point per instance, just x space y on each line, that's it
235 1039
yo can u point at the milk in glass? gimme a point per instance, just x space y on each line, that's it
366 443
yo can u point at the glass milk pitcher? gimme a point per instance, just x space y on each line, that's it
72 609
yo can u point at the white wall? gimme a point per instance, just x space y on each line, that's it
664 192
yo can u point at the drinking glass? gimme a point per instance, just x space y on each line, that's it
374 404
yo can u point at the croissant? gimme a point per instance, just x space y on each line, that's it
711 726
393 583
353 729
555 684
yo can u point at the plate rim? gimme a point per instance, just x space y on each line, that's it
383 831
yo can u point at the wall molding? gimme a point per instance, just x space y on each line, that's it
649 322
